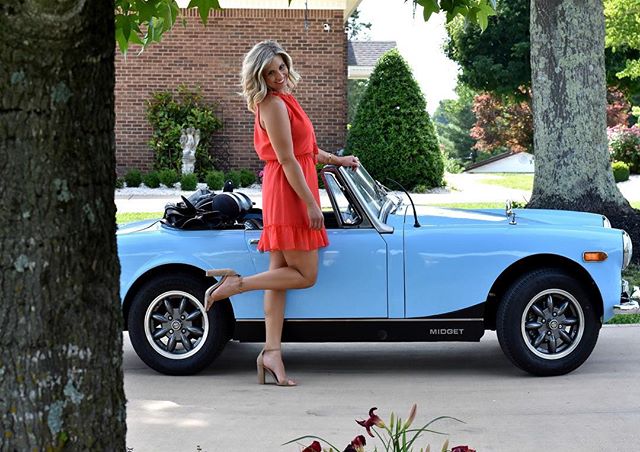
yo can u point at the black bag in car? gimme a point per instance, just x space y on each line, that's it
205 209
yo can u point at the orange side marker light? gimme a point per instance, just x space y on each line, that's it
594 256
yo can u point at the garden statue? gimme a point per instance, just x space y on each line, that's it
189 141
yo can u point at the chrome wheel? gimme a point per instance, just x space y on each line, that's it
552 324
176 324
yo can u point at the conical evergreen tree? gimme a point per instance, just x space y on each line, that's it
392 133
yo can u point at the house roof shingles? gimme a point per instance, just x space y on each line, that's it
366 53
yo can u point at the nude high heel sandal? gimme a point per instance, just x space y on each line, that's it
262 368
224 273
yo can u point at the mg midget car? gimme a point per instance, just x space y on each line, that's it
544 280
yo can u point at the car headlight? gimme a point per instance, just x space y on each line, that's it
605 222
627 249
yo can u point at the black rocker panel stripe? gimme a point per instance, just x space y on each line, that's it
366 330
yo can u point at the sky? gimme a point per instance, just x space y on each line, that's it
419 42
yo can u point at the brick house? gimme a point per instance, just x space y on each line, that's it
211 57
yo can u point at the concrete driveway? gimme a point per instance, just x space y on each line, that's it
595 408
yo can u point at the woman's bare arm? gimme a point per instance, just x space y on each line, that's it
330 159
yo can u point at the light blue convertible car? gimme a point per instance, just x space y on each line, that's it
544 280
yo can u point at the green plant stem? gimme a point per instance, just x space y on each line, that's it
385 443
426 429
311 437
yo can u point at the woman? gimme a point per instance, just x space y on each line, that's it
293 223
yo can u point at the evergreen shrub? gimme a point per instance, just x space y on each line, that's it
151 179
620 171
133 178
119 182
188 182
168 114
234 176
215 180
392 133
247 177
168 177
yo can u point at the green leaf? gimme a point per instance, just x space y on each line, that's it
429 7
446 5
463 10
203 8
123 25
632 70
146 10
484 11
123 43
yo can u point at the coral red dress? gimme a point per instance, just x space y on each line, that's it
284 214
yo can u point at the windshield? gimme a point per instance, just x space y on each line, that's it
369 189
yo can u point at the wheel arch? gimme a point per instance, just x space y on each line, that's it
530 263
155 272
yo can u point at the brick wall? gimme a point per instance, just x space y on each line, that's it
211 57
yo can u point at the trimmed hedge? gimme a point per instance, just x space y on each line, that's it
620 171
234 176
133 178
247 177
215 180
168 177
392 133
151 179
188 182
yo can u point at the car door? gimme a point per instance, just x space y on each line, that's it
352 270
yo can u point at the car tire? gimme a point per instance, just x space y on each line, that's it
546 323
169 328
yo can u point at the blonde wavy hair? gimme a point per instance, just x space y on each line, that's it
254 87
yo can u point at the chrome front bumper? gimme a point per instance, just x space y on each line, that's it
628 300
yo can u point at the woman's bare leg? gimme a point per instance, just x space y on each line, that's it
274 304
300 272
287 270
305 263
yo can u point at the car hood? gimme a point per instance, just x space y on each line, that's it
435 216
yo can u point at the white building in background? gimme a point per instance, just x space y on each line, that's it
508 162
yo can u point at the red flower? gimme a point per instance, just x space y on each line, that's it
462 449
358 443
314 447
373 420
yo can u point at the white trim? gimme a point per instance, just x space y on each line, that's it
347 6
359 72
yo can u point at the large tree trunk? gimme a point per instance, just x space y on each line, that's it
61 326
572 168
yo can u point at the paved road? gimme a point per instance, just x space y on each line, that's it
595 408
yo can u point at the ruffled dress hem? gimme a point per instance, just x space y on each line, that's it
289 237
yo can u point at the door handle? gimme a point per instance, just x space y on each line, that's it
254 241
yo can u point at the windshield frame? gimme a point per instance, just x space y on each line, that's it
372 196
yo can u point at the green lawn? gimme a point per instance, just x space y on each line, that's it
128 217
509 180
